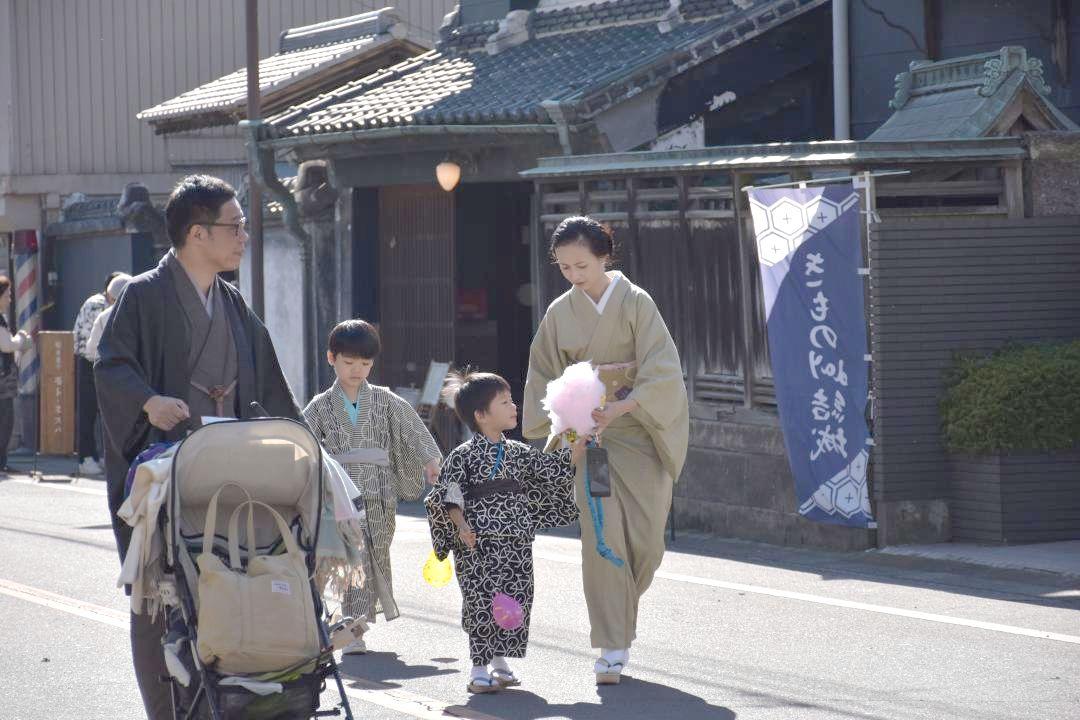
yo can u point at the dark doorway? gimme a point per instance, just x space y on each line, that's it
493 326
82 264
415 258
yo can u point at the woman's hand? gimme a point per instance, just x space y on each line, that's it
431 472
609 413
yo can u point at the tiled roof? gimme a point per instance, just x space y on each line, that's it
465 38
305 51
601 13
965 97
588 69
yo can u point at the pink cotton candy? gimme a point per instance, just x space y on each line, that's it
571 399
508 613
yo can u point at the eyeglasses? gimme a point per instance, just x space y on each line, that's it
235 226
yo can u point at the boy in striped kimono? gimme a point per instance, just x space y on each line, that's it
387 451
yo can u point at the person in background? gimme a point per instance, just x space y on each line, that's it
9 371
112 294
86 405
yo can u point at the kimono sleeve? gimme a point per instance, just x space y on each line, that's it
548 481
313 418
659 388
411 448
545 364
447 492
122 382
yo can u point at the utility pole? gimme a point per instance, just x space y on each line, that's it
254 118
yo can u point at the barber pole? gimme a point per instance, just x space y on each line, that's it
27 313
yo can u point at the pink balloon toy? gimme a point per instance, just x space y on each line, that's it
507 611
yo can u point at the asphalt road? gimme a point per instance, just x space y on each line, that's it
728 630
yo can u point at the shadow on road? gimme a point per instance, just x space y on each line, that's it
631 699
387 668
1029 587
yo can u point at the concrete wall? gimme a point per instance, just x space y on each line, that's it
738 483
284 316
1052 173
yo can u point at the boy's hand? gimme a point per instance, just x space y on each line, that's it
577 449
431 472
467 536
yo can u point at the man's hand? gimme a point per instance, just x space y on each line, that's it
431 472
165 412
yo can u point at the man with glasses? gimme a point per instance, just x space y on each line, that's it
181 345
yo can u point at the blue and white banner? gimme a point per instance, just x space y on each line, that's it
808 245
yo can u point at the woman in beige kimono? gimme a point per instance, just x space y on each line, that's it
644 425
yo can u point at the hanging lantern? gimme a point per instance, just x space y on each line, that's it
448 173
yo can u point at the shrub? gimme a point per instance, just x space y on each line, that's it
1020 398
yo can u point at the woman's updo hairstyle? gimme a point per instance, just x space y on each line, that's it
586 231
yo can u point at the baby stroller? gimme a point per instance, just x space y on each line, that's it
245 505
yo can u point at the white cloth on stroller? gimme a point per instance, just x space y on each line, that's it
142 569
341 549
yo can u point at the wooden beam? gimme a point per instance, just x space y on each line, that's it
688 293
746 243
1014 190
932 28
1059 43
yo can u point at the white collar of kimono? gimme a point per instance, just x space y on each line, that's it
615 275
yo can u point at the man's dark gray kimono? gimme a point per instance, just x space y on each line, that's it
146 351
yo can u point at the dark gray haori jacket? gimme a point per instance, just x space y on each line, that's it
144 351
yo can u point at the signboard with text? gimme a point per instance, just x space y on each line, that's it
808 243
57 352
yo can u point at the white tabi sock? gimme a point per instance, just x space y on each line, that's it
479 672
616 656
499 663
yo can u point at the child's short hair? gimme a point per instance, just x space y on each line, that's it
472 392
355 338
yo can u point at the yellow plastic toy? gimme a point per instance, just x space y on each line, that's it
437 573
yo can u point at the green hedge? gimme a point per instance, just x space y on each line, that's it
1021 398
